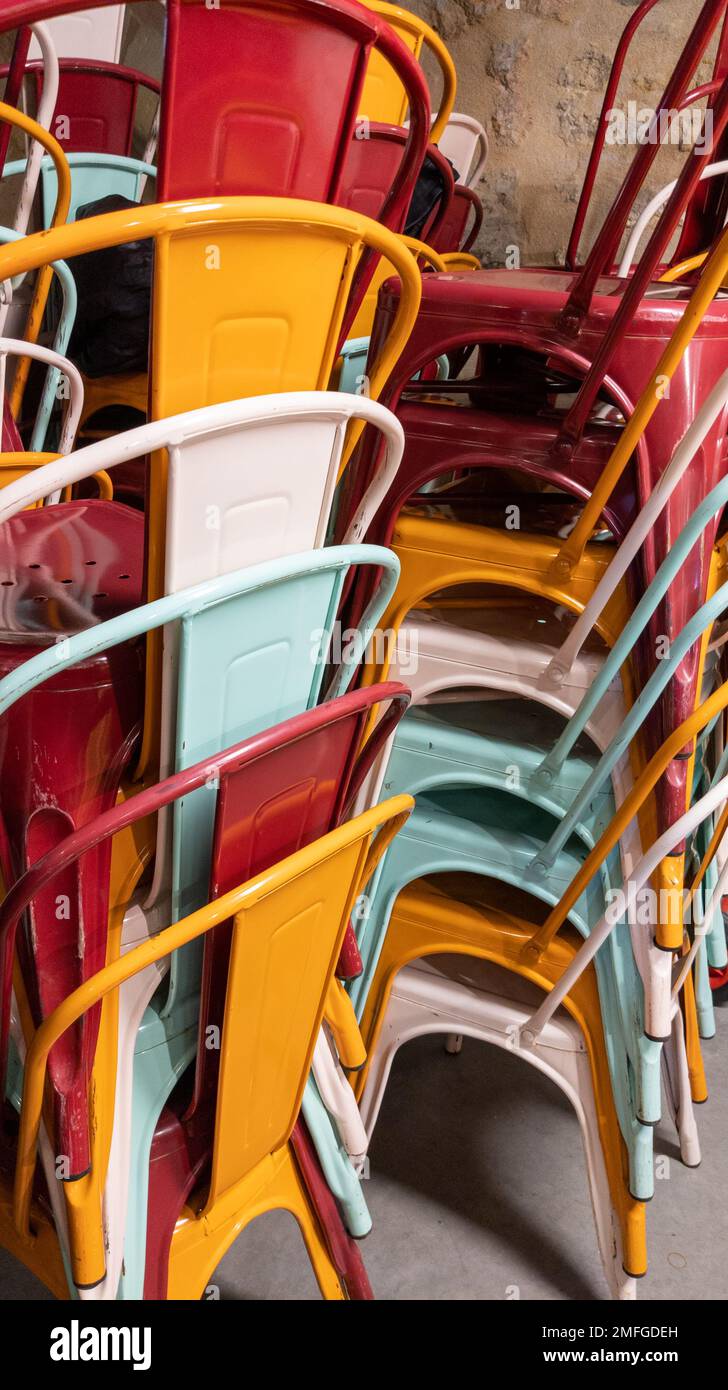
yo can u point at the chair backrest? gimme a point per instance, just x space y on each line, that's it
370 167
462 139
249 480
88 33
96 106
268 810
383 97
262 98
257 659
58 367
225 322
288 925
451 236
256 785
94 176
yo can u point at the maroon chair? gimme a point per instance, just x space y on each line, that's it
277 791
453 232
705 213
371 166
98 103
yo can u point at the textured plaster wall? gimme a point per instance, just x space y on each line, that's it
535 76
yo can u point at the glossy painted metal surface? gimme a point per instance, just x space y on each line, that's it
245 337
371 164
63 750
314 52
78 846
267 807
465 208
375 155
307 900
464 142
96 105
13 72
384 97
93 33
313 578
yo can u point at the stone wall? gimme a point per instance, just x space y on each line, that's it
534 73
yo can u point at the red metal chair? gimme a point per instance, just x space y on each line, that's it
371 167
97 104
262 98
13 73
277 792
705 213
453 232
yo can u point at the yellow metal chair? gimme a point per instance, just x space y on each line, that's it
383 97
427 922
15 466
226 323
424 256
288 927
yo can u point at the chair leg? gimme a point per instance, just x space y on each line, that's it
698 1082
200 1242
295 1199
684 1114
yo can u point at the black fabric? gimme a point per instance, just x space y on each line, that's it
111 332
429 189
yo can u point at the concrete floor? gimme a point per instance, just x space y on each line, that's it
477 1184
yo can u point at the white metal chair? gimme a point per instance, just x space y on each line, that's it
472 997
465 143
249 481
87 34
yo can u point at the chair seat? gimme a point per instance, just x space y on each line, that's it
66 568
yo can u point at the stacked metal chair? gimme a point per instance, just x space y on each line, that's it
211 942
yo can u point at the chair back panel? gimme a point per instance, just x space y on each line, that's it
282 130
283 957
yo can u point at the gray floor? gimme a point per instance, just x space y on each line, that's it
477 1185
